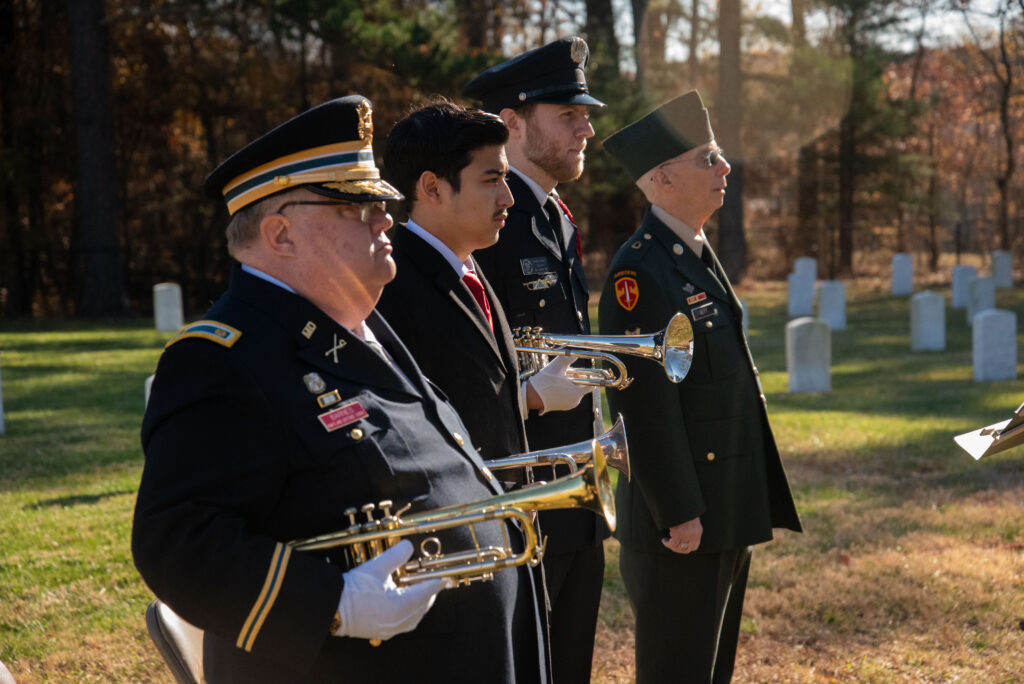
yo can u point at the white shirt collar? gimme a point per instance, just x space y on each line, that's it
461 268
269 278
693 239
538 191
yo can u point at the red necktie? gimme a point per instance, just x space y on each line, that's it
477 288
579 238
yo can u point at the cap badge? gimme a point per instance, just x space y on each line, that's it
365 122
579 51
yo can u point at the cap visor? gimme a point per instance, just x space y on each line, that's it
571 98
369 190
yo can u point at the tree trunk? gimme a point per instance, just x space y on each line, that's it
732 244
847 153
96 254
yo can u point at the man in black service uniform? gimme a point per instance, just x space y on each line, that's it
536 269
449 162
292 402
707 479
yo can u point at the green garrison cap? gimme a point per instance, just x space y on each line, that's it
675 127
327 149
552 74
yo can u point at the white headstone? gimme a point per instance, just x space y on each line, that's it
962 276
832 303
149 386
801 295
806 266
981 296
3 429
902 275
808 355
167 307
927 321
994 345
1002 268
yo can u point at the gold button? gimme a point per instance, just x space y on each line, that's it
708 324
711 455
541 304
579 315
458 438
356 434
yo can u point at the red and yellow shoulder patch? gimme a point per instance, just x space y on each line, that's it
627 292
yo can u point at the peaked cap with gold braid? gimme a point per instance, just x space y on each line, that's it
327 149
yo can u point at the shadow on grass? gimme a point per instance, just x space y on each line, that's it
76 500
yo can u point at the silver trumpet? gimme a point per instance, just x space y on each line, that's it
613 447
671 347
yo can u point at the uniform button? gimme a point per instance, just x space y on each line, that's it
356 434
458 438
677 248
541 303
711 455
647 236
708 324
579 315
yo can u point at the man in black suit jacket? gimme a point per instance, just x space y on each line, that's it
537 272
707 478
294 401
449 162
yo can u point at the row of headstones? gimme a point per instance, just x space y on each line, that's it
993 338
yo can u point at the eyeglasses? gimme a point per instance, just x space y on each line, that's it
706 160
365 208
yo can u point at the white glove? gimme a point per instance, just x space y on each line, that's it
372 606
558 392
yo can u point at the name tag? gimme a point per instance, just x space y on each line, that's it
345 414
703 311
534 265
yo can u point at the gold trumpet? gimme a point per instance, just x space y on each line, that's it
671 347
589 488
613 447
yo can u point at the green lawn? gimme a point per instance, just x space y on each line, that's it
910 568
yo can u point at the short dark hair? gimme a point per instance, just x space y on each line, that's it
439 137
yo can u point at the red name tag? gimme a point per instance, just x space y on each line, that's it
342 416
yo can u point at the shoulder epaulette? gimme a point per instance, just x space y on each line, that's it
220 333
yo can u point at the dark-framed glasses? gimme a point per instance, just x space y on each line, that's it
362 210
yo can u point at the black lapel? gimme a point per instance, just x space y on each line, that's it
540 223
319 341
436 269
686 261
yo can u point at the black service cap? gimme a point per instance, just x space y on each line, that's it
327 149
551 74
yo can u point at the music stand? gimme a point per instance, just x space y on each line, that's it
994 438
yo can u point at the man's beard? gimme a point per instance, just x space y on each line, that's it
545 156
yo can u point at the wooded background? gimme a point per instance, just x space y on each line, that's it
853 126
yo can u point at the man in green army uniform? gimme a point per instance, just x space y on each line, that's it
707 479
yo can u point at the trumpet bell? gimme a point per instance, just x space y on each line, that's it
612 443
678 347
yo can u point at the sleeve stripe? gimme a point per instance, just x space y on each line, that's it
265 601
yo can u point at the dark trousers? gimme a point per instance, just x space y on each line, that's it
688 610
574 581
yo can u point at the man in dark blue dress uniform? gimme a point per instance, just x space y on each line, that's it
707 479
536 269
292 401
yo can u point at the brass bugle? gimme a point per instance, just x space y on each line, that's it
613 446
671 347
588 488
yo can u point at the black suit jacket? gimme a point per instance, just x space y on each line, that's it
539 280
437 318
269 439
702 447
